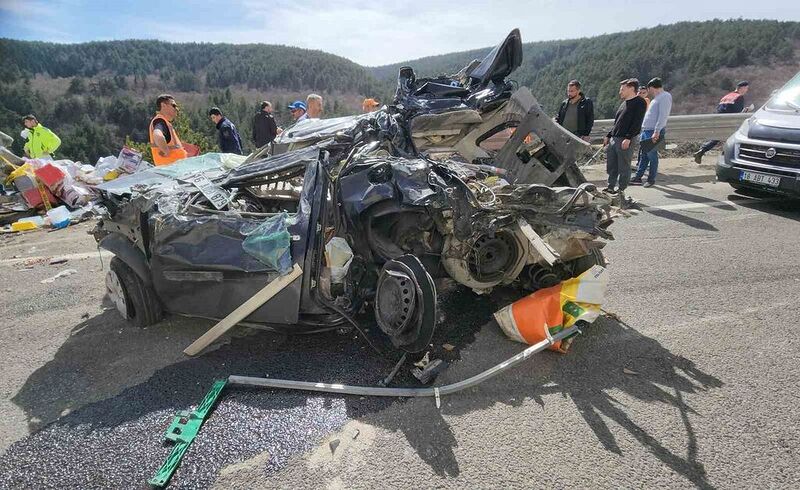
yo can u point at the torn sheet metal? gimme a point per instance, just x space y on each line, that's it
212 165
415 179
316 129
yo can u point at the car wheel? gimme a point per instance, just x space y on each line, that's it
135 301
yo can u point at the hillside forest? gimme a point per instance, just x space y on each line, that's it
97 95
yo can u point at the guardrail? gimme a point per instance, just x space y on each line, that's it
687 128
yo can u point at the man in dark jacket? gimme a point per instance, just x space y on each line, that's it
627 124
576 113
229 140
731 103
264 127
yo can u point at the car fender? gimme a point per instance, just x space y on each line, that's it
128 253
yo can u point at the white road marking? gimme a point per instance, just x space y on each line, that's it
86 255
700 205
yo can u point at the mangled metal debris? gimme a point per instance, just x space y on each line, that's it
462 176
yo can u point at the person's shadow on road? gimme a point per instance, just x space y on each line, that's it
609 357
96 375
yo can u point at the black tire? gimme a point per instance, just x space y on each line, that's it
143 306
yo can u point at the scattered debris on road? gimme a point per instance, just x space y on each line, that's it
431 370
64 273
550 310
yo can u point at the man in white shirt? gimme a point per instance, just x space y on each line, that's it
654 127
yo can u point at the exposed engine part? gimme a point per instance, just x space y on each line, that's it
537 276
487 260
405 303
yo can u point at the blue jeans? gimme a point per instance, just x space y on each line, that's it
650 158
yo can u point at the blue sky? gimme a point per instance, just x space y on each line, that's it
368 32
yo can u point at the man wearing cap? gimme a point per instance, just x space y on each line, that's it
369 105
41 141
264 127
654 126
229 140
576 113
732 103
298 111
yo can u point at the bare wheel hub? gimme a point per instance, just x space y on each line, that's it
491 256
116 293
405 303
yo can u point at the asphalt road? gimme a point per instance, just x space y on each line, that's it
691 380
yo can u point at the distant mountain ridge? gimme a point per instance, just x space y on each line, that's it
255 65
98 93
687 56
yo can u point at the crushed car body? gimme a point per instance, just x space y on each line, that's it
462 176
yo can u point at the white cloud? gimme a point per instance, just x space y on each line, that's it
38 19
367 32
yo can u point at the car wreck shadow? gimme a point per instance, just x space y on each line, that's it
672 193
102 356
684 180
289 423
680 218
108 378
785 207
609 356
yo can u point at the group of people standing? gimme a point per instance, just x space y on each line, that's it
167 148
642 116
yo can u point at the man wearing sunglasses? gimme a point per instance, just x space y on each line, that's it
164 142
298 110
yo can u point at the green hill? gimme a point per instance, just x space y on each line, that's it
96 94
693 58
218 65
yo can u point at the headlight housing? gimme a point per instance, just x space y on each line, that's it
744 128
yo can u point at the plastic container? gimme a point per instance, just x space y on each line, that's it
36 220
129 160
23 226
338 256
59 217
111 175
50 175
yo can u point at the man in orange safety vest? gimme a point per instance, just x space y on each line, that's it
164 142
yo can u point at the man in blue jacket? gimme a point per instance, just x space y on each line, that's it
576 113
229 140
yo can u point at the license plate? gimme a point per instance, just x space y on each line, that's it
216 195
762 179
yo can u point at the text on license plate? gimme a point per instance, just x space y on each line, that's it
764 179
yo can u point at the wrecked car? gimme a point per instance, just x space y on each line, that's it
461 176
